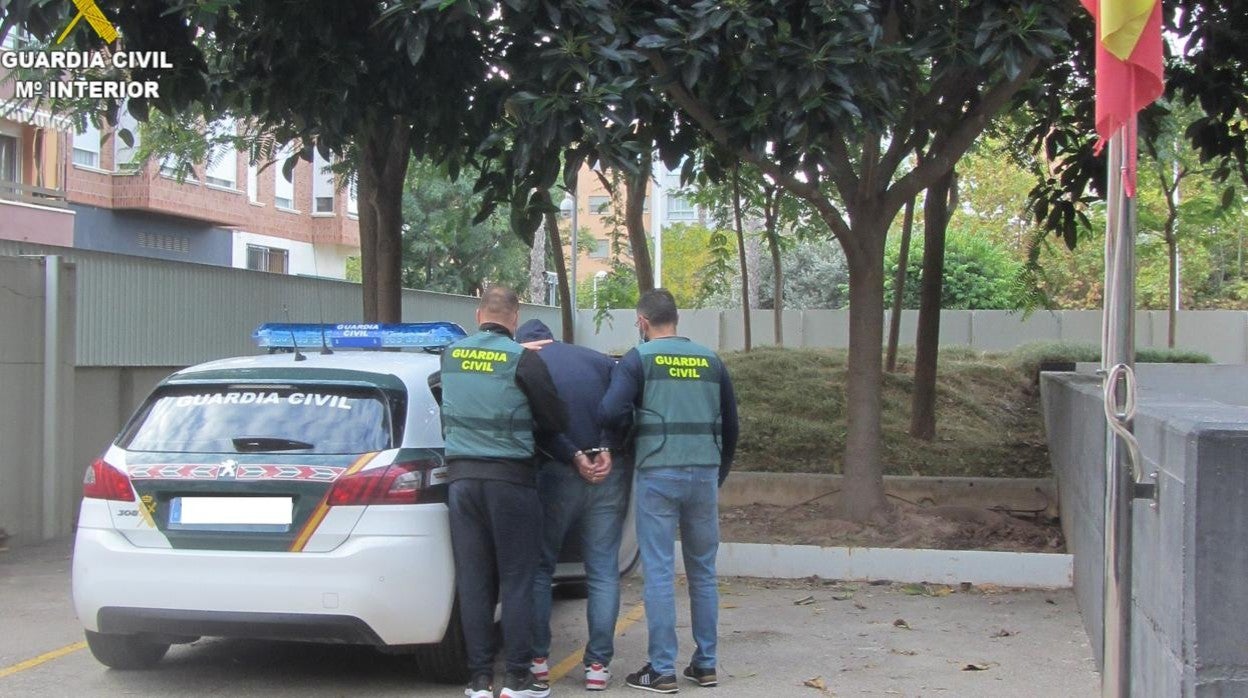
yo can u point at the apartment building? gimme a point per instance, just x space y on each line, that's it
81 187
664 207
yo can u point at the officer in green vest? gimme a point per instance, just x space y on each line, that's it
685 434
495 395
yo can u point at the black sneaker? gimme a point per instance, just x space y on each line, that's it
482 686
647 679
703 677
524 685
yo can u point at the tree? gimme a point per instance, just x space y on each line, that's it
899 288
817 94
352 78
444 249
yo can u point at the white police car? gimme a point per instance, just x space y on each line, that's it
282 496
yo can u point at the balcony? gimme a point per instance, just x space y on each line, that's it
35 214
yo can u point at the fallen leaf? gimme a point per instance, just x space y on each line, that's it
804 601
842 597
729 605
901 623
966 586
1004 633
915 590
904 653
816 683
859 606
941 590
1050 601
975 667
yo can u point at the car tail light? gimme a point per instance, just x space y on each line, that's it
103 481
397 483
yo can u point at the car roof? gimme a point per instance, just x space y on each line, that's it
413 368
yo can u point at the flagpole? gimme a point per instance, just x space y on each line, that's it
1117 352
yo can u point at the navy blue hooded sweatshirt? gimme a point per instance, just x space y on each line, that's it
581 377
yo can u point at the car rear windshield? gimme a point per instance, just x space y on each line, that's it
268 419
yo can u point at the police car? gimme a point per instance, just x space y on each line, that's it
297 495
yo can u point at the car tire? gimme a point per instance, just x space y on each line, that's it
125 652
447 661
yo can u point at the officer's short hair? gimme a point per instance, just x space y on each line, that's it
499 301
658 306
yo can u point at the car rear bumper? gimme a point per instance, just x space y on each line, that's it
384 585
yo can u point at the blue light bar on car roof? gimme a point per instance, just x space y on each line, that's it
406 335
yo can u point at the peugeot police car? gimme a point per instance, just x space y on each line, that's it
297 495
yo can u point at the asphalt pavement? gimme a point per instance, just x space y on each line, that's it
777 638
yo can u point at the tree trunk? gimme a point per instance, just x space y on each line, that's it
383 170
753 259
777 270
1172 249
863 491
635 223
537 268
927 341
899 287
368 241
745 272
561 273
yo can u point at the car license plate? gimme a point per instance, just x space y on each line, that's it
231 511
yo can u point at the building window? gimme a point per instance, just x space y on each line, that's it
123 155
680 209
270 259
599 204
17 38
8 159
353 196
322 184
283 189
253 185
602 249
87 146
222 167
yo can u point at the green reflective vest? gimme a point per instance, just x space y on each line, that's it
678 423
484 412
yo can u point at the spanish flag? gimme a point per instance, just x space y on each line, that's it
1128 68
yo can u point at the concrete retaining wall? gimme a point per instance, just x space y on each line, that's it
1188 637
1223 334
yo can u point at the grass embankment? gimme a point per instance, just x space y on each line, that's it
989 424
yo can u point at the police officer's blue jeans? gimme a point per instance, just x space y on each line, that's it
687 499
569 502
494 535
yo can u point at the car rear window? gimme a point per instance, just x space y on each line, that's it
254 419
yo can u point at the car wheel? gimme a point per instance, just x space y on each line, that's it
125 651
447 661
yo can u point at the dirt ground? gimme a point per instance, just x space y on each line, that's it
905 525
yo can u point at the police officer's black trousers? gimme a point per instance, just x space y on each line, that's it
495 533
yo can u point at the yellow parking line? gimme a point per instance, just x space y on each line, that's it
45 657
561 669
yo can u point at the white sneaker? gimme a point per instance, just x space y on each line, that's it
597 677
540 668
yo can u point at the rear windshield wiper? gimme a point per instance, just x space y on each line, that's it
245 444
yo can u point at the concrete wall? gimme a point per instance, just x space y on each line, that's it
1223 334
27 468
1187 635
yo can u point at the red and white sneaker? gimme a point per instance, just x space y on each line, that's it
597 677
540 668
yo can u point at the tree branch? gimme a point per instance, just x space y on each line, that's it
703 117
945 152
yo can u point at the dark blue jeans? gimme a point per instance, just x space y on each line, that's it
495 530
598 511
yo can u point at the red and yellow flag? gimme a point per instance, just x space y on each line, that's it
1128 68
